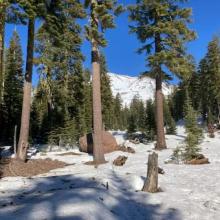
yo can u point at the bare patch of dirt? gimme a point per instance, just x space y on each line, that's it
198 161
69 154
12 167
93 163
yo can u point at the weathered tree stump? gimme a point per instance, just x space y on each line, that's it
151 183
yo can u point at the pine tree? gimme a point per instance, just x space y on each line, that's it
106 95
5 17
13 84
150 120
53 14
194 133
209 70
166 23
63 83
137 110
101 15
117 112
132 124
169 121
3 6
31 9
88 100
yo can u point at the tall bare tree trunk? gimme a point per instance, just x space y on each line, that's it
26 106
98 152
2 34
161 143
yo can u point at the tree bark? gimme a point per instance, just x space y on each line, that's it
2 36
98 152
161 143
151 183
26 106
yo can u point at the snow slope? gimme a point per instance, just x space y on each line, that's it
80 192
128 87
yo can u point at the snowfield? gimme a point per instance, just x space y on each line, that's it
82 192
130 86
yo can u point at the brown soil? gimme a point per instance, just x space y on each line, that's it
12 167
93 163
69 154
198 161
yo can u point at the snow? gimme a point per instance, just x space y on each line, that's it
83 192
128 87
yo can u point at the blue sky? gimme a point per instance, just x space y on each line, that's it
120 53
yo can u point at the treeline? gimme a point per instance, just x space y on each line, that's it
202 87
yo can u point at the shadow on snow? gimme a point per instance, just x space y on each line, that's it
75 198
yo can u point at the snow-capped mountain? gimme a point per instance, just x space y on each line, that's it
129 86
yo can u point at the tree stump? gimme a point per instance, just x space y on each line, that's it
151 183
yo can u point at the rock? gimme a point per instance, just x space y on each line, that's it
135 141
109 143
120 161
160 170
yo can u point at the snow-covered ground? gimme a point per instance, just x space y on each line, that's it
130 86
79 191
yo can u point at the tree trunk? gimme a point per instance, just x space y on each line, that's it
98 152
161 143
151 183
15 140
26 106
2 34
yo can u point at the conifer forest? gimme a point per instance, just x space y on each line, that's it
109 110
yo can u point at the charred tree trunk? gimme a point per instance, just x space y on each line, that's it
161 143
26 106
98 152
151 183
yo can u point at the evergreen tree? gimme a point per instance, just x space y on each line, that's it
3 6
209 70
31 10
166 23
13 85
125 117
194 133
62 83
150 120
88 100
132 124
117 112
101 16
8 14
106 95
169 121
137 110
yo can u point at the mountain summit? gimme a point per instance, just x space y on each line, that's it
129 86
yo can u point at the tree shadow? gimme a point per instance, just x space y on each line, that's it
76 198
